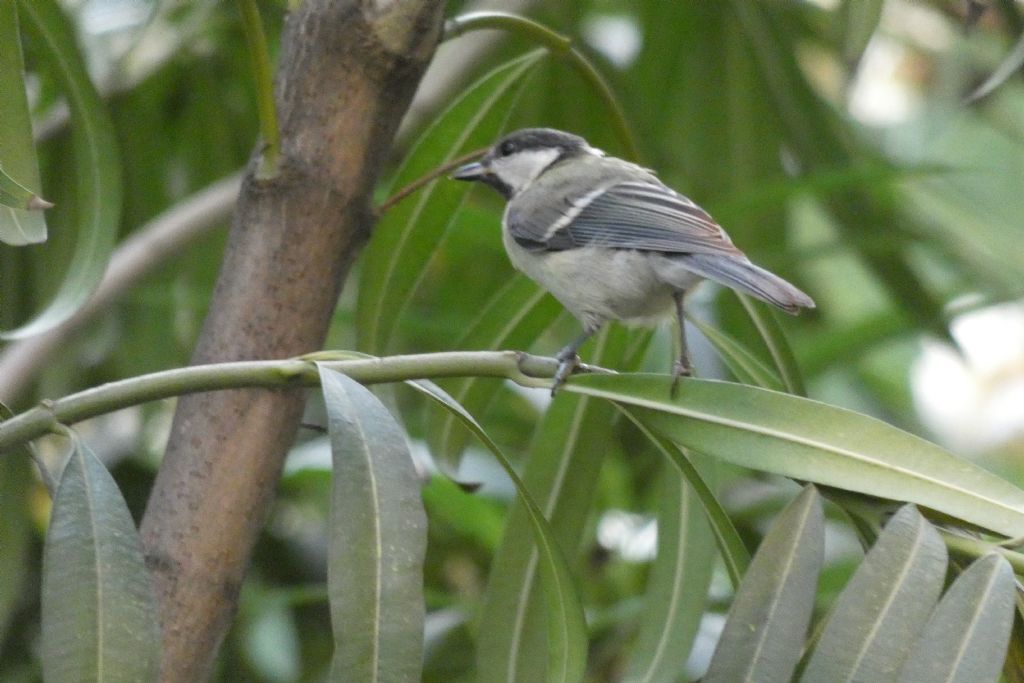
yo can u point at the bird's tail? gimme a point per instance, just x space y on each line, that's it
743 275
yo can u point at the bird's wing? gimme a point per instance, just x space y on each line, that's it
626 215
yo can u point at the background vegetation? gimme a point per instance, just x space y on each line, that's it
836 142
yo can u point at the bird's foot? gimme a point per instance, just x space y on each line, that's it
567 362
681 368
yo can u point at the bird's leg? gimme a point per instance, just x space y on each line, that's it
568 359
681 368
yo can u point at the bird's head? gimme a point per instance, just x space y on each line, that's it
521 157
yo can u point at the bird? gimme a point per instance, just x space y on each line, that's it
609 240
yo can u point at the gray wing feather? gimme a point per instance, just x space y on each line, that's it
628 215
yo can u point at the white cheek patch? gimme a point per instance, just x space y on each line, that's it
520 169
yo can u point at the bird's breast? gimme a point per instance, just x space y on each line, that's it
595 283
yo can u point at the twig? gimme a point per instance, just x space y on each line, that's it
559 45
523 369
404 192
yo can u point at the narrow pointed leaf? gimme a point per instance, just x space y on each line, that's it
812 441
513 318
1013 667
1009 66
16 489
744 365
777 344
411 231
817 138
566 627
15 195
19 169
859 20
16 556
678 585
98 611
966 636
377 542
764 633
734 553
561 474
440 397
97 168
883 608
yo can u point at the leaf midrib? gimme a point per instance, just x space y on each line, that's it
787 436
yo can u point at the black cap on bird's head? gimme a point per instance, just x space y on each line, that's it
539 138
519 157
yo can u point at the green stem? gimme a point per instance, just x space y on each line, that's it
557 44
973 548
524 369
257 41
404 192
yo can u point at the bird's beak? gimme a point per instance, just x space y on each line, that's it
473 171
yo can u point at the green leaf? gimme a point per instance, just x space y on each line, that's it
1008 67
409 234
764 633
378 539
811 441
94 145
852 341
678 585
16 486
561 474
566 627
513 318
475 521
883 608
15 195
98 611
966 636
820 142
17 151
269 636
744 365
778 347
730 545
1013 667
859 20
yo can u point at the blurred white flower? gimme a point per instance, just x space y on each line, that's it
974 402
633 537
618 38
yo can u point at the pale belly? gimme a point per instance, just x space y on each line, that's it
597 284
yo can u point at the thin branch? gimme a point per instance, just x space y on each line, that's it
521 368
404 192
559 45
453 62
145 250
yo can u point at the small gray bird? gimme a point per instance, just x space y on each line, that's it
608 239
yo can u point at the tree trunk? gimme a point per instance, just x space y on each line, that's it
347 72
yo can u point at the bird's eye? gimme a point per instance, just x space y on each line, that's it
507 148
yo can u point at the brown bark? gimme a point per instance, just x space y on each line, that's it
348 69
